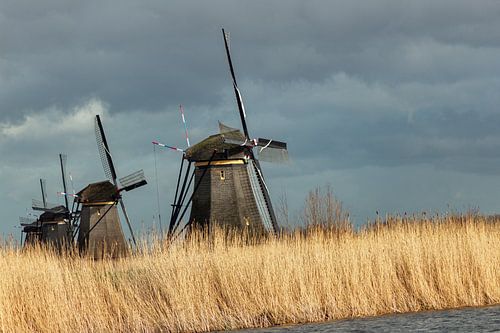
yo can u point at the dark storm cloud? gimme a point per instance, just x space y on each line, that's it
380 98
148 55
350 123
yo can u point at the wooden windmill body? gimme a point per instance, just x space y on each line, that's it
100 233
55 227
230 192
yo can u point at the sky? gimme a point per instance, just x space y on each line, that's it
393 104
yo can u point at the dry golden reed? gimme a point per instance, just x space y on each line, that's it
317 274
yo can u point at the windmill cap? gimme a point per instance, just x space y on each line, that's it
54 216
98 192
203 150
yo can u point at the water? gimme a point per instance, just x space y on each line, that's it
485 319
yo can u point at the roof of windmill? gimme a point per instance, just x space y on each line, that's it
59 213
98 192
203 150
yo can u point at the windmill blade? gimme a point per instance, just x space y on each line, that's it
269 143
167 146
237 93
185 125
273 155
257 187
26 221
272 151
102 145
42 206
268 150
72 185
238 142
67 194
122 205
267 197
43 185
132 181
62 159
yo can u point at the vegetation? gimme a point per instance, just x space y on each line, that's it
323 272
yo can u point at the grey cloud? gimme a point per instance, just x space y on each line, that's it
405 93
154 54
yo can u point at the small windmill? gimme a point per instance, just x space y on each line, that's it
53 225
229 187
99 229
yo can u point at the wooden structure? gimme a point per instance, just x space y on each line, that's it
100 233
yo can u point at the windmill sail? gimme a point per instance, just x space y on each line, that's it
237 93
105 154
272 151
25 221
132 181
267 150
43 188
42 205
63 158
258 192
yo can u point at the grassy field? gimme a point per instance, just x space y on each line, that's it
318 274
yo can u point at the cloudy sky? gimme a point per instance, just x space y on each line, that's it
394 104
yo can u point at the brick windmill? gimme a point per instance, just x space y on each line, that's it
229 188
95 212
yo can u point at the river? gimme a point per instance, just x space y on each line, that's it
485 319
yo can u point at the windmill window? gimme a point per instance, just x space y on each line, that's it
222 175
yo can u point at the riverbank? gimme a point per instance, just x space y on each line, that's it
404 265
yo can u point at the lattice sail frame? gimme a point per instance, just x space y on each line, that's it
104 153
132 181
273 155
26 220
267 150
38 205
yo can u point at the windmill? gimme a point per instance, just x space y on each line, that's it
53 225
30 224
95 210
229 187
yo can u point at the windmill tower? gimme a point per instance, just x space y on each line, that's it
99 229
229 187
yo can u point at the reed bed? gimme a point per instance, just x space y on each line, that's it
231 281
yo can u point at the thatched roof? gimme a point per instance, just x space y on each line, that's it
203 150
103 191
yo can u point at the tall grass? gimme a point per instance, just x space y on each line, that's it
229 282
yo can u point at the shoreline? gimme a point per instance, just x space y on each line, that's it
295 327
